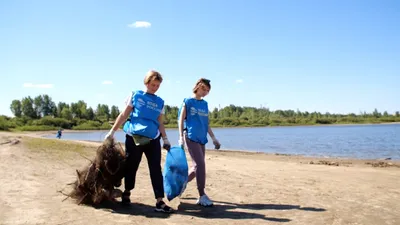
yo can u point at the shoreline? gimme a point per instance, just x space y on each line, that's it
325 160
232 127
310 156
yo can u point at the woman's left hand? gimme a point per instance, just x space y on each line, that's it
216 143
167 144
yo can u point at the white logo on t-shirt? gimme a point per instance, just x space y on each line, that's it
202 112
141 102
153 106
193 111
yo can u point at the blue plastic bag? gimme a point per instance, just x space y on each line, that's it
175 172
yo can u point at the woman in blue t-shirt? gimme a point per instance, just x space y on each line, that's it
193 128
143 129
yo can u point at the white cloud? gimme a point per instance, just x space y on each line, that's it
239 81
107 82
140 24
30 85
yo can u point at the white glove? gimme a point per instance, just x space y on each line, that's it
110 134
216 143
180 141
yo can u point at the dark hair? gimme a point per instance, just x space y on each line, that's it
200 82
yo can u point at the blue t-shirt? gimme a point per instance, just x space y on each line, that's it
196 121
144 116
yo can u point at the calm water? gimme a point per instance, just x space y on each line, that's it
353 141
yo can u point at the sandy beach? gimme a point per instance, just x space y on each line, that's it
247 188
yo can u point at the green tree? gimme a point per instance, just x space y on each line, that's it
38 106
27 107
74 108
16 108
82 109
60 107
385 114
376 113
103 112
90 113
214 114
66 113
114 112
48 106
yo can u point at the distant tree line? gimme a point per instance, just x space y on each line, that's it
42 113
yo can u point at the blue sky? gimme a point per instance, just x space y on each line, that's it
336 56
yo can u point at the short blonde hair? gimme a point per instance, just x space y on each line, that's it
201 82
152 75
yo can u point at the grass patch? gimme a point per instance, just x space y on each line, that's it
92 125
35 128
4 125
60 149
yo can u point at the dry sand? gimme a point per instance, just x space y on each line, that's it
248 188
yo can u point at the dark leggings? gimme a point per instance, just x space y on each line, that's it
134 156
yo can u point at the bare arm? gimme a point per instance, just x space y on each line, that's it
210 132
122 117
215 141
181 120
162 127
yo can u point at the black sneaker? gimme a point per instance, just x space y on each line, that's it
126 200
162 207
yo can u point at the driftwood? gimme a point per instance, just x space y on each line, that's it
97 181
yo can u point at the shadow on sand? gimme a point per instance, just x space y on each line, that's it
220 210
135 209
224 210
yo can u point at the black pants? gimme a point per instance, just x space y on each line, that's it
134 156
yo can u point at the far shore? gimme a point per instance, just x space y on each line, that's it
275 156
219 127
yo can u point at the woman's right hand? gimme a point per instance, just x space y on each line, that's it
110 134
180 141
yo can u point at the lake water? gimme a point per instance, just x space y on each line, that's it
349 141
